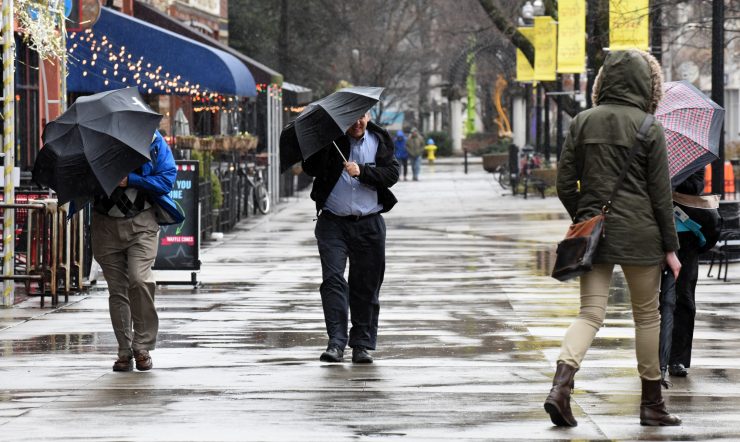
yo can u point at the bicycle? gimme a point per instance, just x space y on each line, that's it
531 161
257 193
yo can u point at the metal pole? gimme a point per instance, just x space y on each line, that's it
656 39
718 89
559 121
8 151
546 127
527 113
538 119
592 42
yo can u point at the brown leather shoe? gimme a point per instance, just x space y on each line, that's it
143 360
123 363
557 403
652 407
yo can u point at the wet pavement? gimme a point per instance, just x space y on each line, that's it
470 327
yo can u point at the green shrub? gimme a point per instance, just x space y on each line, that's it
217 196
501 146
443 142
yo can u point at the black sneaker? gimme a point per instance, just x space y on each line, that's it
678 370
332 354
361 356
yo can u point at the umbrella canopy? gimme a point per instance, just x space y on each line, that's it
97 142
692 123
323 121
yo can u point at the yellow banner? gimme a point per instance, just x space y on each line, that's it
571 36
545 48
628 24
524 70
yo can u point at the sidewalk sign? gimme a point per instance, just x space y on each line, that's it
179 244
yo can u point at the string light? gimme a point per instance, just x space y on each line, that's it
112 58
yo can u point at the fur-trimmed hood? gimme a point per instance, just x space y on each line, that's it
629 77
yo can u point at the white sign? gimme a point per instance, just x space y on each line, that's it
16 177
210 6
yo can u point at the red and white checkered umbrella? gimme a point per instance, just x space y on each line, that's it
692 123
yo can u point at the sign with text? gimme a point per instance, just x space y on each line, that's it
545 48
179 244
571 36
524 70
628 24
210 6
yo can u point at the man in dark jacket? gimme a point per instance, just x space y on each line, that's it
125 232
349 200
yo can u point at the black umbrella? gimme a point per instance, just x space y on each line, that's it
97 142
667 307
323 121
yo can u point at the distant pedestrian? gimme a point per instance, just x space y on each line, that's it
415 148
125 232
401 154
640 233
697 233
349 200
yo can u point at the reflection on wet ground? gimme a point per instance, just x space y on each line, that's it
470 325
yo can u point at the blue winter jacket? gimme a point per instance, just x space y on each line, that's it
400 144
157 178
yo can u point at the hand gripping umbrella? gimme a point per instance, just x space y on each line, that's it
97 142
692 124
323 121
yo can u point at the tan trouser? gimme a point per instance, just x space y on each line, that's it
644 285
126 249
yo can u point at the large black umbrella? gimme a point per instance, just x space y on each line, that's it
92 146
323 121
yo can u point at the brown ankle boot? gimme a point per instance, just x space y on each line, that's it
652 407
557 403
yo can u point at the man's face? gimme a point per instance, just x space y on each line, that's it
357 130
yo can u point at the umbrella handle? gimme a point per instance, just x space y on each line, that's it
340 152
343 157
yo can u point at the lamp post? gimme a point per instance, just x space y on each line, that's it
527 19
538 10
718 89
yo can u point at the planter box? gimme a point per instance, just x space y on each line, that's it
492 160
547 176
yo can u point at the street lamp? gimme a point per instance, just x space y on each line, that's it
539 8
527 19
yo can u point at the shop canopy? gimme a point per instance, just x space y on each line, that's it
197 64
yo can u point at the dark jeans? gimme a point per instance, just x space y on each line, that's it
363 243
404 166
677 305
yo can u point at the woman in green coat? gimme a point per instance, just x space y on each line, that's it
639 231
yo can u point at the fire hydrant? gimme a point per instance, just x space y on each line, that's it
431 148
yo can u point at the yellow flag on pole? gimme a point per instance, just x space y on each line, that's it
545 48
628 24
571 36
524 70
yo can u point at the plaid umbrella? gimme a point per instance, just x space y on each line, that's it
692 123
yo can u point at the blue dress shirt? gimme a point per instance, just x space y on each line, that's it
350 196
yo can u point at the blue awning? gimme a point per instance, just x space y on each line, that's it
195 63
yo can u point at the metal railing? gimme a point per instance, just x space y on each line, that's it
53 259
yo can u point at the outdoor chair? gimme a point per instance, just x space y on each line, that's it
728 245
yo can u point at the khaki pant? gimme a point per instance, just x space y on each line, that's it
644 285
126 249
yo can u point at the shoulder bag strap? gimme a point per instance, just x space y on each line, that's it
641 136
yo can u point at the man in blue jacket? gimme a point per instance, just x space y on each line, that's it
125 234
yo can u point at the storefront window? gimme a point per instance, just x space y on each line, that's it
27 128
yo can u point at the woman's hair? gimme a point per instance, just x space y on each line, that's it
656 80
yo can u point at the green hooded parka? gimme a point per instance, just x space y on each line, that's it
639 229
